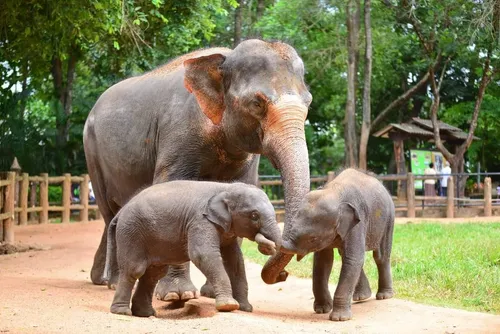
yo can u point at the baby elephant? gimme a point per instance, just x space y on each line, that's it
354 213
174 222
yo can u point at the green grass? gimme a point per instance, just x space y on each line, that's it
446 265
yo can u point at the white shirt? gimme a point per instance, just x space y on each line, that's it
91 191
446 174
430 171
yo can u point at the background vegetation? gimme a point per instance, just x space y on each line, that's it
455 265
57 57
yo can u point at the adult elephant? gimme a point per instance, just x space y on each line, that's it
207 115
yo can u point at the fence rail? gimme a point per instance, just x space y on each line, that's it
15 200
23 195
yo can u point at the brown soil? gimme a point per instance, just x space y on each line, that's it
50 292
18 248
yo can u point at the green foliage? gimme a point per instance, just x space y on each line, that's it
446 265
109 40
115 39
55 194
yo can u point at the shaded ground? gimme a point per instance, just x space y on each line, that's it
50 292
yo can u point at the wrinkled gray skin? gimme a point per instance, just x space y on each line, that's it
353 213
174 222
207 115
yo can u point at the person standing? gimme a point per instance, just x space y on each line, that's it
429 184
445 172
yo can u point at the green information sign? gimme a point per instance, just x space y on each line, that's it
421 159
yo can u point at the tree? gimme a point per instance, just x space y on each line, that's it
237 23
41 35
352 23
366 125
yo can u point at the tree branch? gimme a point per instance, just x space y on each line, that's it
400 100
485 80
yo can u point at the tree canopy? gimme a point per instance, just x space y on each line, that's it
56 58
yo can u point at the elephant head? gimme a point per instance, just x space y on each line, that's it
245 211
321 220
257 96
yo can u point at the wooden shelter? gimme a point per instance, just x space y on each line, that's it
422 129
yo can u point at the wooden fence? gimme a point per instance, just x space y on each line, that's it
15 190
14 193
411 203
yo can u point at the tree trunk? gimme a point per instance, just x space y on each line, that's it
352 20
237 23
261 6
63 93
456 158
366 126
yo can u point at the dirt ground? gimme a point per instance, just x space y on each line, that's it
50 291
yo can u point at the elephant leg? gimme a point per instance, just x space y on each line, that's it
121 300
143 295
322 268
235 268
382 257
97 271
353 256
177 285
207 290
362 290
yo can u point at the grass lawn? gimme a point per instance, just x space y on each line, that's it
456 265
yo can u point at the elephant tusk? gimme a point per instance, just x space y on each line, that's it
266 246
299 257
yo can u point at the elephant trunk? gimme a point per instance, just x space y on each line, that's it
285 145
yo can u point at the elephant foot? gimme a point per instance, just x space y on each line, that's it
226 304
96 276
323 307
385 294
112 283
143 311
124 310
362 293
176 289
207 290
341 314
245 306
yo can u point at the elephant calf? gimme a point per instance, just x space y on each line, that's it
174 222
354 213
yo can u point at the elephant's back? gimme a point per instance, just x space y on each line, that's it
370 192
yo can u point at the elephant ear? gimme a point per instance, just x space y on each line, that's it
347 219
203 78
217 211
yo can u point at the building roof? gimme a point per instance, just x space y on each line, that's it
423 129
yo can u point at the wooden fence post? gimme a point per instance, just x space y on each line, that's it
8 224
2 198
23 201
487 197
32 203
43 218
66 198
450 198
331 176
410 195
84 199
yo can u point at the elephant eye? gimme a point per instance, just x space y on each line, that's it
257 104
254 216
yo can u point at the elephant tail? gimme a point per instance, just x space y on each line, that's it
111 261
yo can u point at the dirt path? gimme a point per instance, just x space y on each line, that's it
50 292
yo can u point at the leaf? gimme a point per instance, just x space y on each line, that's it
116 45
